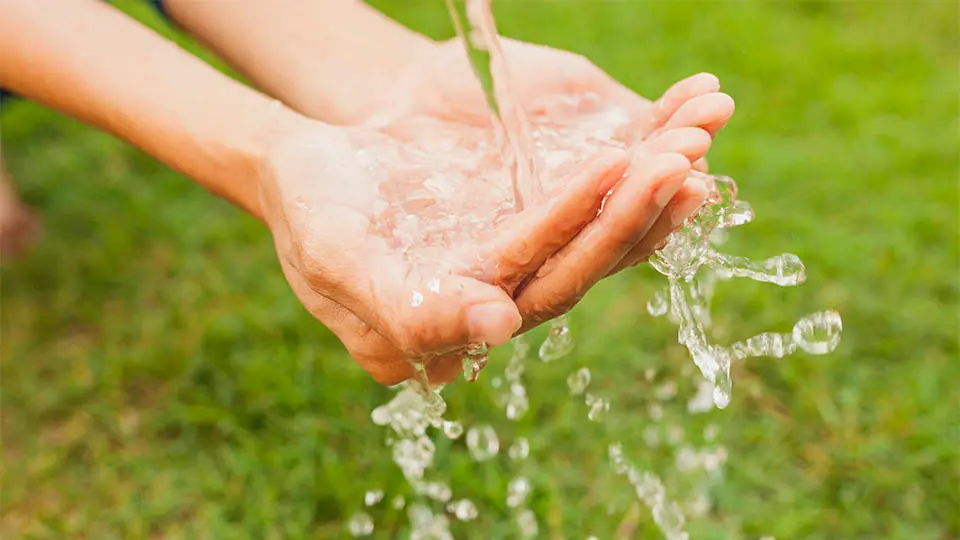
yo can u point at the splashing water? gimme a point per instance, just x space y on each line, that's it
687 299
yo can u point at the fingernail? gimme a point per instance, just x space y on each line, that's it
493 323
668 189
707 82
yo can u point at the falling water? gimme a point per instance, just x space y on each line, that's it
474 23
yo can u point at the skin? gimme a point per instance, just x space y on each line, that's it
331 63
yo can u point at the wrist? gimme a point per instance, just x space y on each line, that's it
249 150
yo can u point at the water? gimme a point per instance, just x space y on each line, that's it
360 524
519 450
512 166
372 497
474 23
689 255
578 381
559 342
483 442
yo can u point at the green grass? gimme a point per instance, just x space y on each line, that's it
159 379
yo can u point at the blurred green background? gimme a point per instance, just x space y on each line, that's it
159 380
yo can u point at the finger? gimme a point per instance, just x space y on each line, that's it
523 243
653 117
710 112
701 165
680 93
688 199
635 205
692 142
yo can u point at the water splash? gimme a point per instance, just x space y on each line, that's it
688 250
650 491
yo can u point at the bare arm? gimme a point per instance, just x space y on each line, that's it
333 60
90 61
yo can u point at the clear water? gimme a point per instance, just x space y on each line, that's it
517 162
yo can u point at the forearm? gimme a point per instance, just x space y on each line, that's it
90 61
333 60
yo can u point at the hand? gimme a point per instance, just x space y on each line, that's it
683 121
319 201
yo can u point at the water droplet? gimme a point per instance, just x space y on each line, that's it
599 407
559 342
527 523
452 429
721 398
818 333
360 524
482 442
474 360
615 453
578 381
656 413
437 491
417 299
372 497
517 402
464 509
687 459
699 505
658 304
669 517
517 491
519 450
434 285
381 416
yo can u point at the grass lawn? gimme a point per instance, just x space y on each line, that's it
159 380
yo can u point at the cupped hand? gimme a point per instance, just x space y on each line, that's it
320 200
633 224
